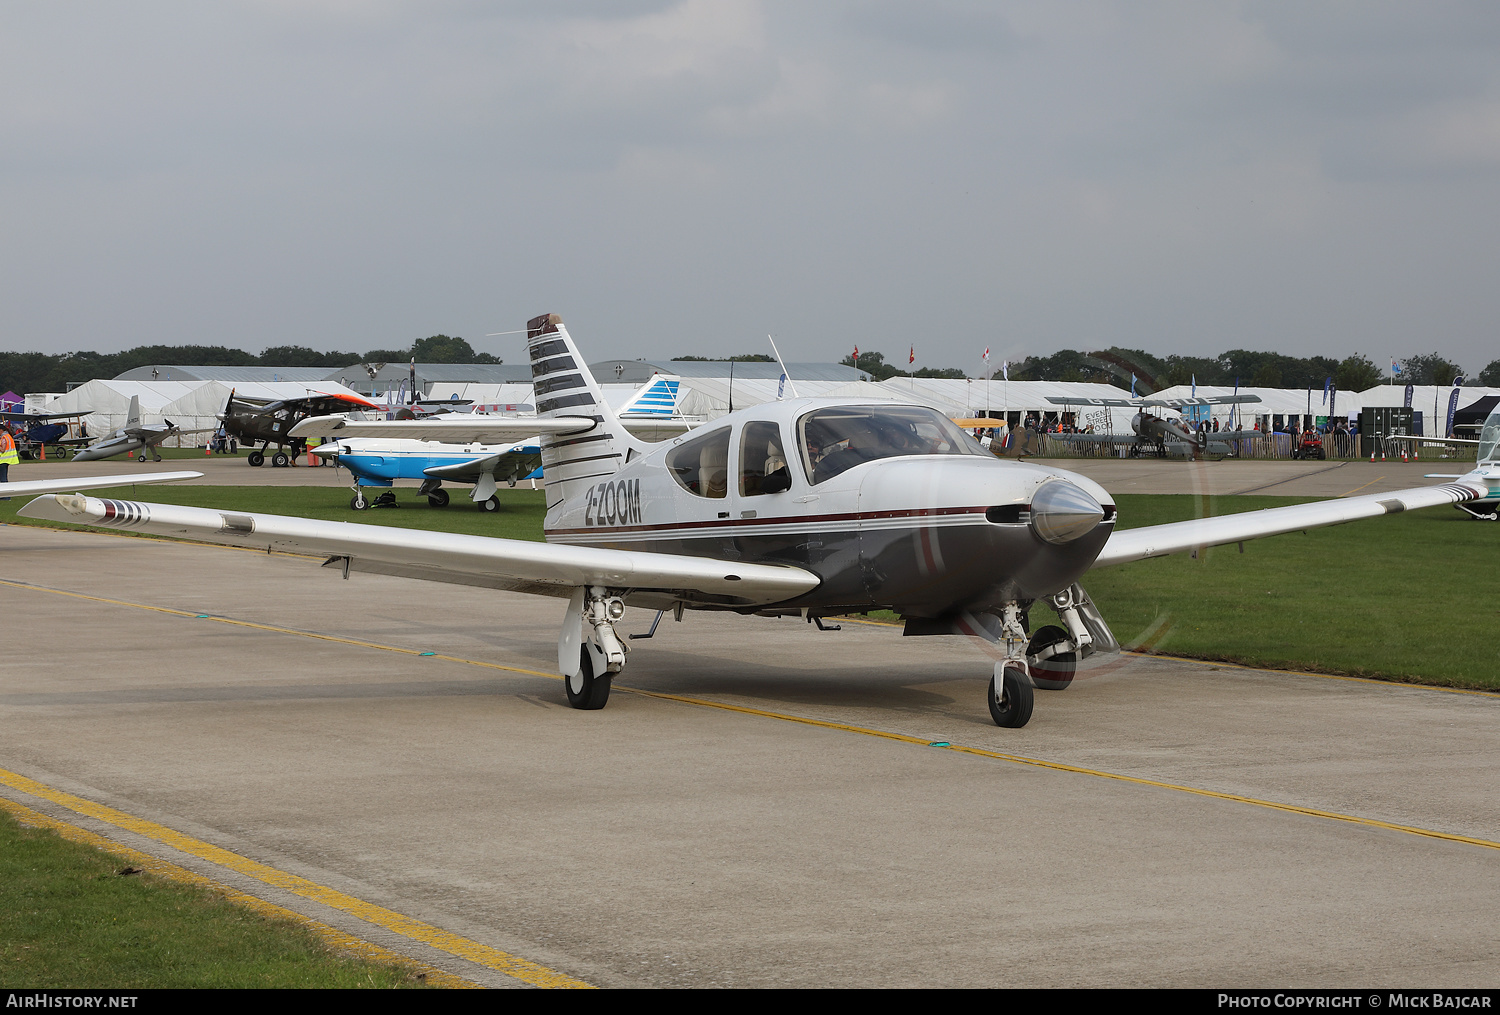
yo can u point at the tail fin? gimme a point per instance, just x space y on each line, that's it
133 418
658 397
564 387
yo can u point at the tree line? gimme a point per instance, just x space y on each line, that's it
1241 366
36 371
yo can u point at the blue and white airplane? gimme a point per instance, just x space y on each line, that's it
380 461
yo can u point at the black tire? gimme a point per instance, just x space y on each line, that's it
438 498
280 460
1054 673
1015 712
585 690
155 457
490 506
358 502
256 459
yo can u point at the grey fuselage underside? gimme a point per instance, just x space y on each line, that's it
916 570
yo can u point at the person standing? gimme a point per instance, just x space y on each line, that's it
8 454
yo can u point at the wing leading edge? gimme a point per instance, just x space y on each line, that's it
1127 545
654 579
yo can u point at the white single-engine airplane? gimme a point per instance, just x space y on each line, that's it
810 506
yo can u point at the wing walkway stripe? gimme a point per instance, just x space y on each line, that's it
399 923
828 724
331 936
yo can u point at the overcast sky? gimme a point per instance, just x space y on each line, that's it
684 177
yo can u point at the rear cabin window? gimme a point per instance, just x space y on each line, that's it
762 454
835 440
701 466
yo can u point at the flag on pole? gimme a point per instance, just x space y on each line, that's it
1194 392
912 356
1132 385
1005 369
1395 368
856 356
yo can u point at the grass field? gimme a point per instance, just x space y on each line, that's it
71 919
1403 596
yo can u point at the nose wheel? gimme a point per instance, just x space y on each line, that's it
1010 697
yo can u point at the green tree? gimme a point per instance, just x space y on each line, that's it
1490 375
447 349
1429 368
1356 373
874 364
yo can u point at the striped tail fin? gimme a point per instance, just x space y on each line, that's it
564 387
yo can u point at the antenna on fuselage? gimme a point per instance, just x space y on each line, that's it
784 372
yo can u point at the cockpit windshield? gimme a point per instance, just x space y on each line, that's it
1489 437
836 439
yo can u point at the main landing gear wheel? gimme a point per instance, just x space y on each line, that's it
358 502
1011 707
1051 670
585 690
280 460
438 498
257 459
490 506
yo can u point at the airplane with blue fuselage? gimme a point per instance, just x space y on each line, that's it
379 462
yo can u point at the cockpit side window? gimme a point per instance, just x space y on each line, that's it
1489 438
836 439
762 458
701 466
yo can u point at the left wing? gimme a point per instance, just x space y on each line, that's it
518 461
656 580
1127 545
91 482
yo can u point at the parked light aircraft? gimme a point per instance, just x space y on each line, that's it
39 430
1487 453
252 421
1159 436
133 436
811 506
379 461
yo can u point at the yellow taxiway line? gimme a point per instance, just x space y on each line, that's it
492 958
827 724
330 936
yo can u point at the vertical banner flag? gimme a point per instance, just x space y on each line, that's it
1411 389
1453 405
912 356
1194 391
1005 369
1333 393
1132 385
1327 384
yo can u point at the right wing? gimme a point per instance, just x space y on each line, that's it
1126 545
654 580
